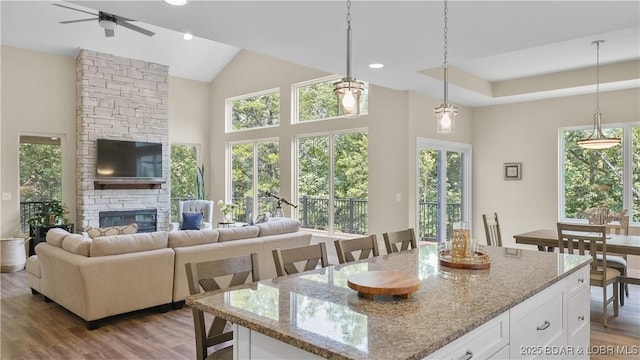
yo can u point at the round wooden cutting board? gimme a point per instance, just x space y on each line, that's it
394 283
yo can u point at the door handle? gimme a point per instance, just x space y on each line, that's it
543 326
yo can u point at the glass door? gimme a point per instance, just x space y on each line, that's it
444 187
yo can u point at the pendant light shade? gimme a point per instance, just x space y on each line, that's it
597 140
445 113
348 90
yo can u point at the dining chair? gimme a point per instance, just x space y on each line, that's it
492 229
620 226
311 256
405 238
617 223
207 276
585 239
367 245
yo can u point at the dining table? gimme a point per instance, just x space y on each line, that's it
547 240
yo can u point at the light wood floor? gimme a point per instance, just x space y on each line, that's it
33 329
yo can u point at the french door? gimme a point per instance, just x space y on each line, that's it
443 186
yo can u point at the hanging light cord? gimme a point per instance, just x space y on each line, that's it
597 76
349 41
446 43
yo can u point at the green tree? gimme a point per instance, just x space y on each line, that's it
258 111
40 172
183 175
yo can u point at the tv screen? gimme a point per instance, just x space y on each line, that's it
129 159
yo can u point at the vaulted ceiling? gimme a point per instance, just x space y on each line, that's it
499 51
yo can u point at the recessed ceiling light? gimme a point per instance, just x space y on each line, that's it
176 2
376 66
187 36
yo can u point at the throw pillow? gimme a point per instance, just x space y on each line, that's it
113 230
191 221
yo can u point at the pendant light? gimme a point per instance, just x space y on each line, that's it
348 89
445 113
597 140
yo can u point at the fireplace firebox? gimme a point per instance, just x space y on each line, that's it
147 219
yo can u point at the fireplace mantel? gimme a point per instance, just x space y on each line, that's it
128 184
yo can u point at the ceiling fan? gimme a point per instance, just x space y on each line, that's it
108 22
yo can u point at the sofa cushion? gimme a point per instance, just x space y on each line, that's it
191 221
237 233
281 226
77 244
112 230
192 237
55 236
122 244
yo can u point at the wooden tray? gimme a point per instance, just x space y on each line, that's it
394 283
480 260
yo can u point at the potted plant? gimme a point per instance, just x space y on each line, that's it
50 213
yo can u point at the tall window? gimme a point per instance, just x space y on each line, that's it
444 187
253 111
315 100
608 177
333 180
254 171
40 174
184 176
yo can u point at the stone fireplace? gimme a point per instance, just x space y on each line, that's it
122 99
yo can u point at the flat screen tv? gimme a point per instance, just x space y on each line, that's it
129 159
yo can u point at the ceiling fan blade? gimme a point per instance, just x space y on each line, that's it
67 7
109 32
135 28
76 21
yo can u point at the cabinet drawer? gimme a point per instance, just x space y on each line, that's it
578 281
578 323
538 323
480 343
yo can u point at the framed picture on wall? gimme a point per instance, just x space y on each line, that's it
512 171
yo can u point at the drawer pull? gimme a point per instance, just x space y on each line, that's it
544 326
581 280
467 356
581 317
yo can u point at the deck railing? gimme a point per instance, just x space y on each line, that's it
351 215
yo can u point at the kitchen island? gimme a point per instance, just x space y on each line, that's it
456 312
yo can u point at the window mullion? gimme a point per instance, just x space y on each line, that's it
331 197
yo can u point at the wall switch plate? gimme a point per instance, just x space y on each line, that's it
398 197
6 196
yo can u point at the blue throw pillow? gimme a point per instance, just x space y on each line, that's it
191 221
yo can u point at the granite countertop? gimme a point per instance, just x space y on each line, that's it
318 312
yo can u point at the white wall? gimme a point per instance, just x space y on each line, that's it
38 98
528 132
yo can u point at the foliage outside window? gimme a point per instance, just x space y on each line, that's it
333 179
255 169
599 177
40 177
316 101
184 172
254 111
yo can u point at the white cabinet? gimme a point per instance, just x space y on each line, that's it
538 325
481 343
578 315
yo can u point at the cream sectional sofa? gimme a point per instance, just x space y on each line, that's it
111 275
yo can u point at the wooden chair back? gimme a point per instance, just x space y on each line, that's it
311 256
592 240
405 239
207 276
492 229
621 227
368 246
